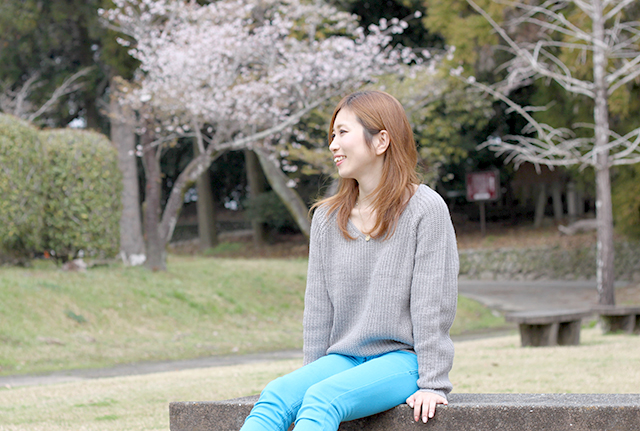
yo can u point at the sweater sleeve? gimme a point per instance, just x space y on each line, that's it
318 310
434 293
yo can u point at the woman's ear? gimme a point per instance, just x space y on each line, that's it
382 142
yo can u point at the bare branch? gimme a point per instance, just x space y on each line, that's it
613 12
627 48
575 85
517 108
623 81
24 92
566 27
69 85
626 162
625 140
568 45
15 101
633 66
584 6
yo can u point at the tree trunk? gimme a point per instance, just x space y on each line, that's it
604 212
155 241
124 139
191 173
199 164
278 181
541 203
207 231
256 182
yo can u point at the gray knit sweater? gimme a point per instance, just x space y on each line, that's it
366 298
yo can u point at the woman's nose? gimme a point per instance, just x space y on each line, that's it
333 146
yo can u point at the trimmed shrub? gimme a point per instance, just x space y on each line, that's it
82 188
21 202
626 200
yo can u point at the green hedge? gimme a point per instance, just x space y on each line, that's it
21 197
626 200
62 192
82 194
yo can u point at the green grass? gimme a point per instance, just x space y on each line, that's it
600 364
52 320
471 316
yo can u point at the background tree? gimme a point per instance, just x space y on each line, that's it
58 48
58 66
604 35
223 71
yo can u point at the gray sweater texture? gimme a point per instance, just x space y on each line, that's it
366 298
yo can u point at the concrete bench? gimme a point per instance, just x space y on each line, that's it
619 318
549 327
465 412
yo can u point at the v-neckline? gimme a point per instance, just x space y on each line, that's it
367 237
360 234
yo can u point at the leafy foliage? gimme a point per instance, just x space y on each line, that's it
61 192
626 200
45 42
82 189
268 208
21 166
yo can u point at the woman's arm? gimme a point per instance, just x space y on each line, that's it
434 294
318 311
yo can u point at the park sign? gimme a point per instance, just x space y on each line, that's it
483 186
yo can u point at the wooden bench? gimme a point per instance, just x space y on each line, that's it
549 327
619 318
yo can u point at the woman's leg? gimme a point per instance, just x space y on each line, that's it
280 400
376 385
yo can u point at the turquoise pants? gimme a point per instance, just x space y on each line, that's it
333 389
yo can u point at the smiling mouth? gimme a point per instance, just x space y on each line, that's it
338 159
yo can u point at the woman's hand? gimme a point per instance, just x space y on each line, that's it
424 403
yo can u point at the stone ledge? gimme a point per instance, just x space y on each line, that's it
465 412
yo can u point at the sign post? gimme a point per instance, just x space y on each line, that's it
482 187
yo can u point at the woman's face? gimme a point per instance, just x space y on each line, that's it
351 154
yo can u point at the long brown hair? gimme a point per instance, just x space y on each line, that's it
377 111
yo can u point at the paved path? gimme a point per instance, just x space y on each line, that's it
501 295
143 368
530 295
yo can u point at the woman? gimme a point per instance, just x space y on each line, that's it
381 286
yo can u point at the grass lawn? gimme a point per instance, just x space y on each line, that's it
202 306
50 319
600 364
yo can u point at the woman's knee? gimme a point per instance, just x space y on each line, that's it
279 391
275 386
322 398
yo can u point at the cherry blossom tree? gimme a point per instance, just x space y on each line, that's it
233 75
591 49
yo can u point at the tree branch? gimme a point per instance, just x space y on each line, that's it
567 82
630 66
68 86
613 12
